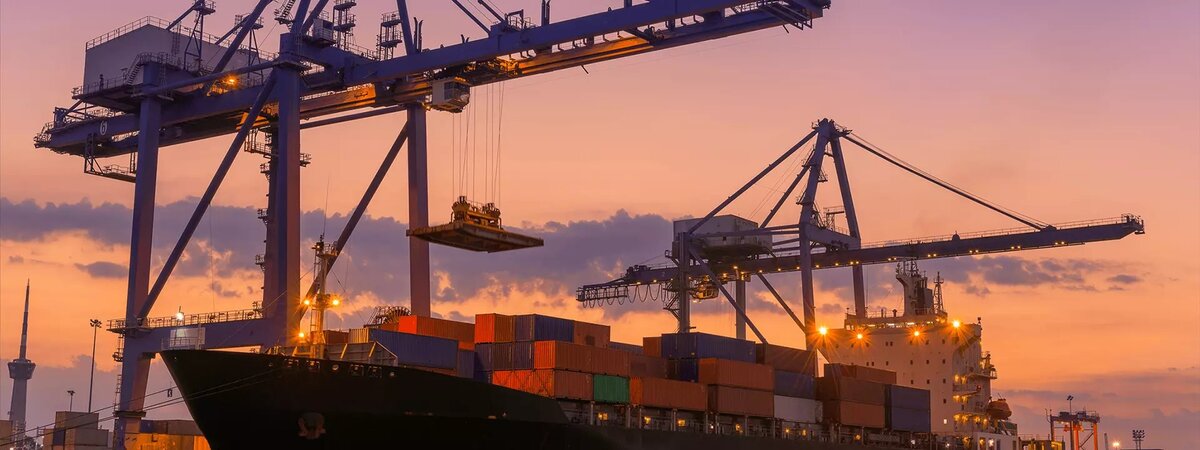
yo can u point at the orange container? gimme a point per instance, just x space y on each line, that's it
580 358
462 332
494 328
787 358
548 383
742 402
647 366
664 393
724 372
592 334
652 346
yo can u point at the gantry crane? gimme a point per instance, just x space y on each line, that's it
814 242
143 91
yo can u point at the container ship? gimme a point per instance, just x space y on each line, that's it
535 382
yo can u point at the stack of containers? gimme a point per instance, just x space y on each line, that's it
462 332
685 350
852 396
908 409
430 353
795 384
738 387
493 344
565 359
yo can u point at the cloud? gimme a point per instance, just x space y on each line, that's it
104 269
1125 278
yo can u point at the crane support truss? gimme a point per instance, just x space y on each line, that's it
313 82
813 244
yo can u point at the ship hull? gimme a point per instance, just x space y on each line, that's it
254 401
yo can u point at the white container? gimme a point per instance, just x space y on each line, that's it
359 336
800 410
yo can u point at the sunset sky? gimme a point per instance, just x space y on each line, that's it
1063 110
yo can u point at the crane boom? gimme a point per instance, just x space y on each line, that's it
1001 241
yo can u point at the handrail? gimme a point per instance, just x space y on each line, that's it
191 319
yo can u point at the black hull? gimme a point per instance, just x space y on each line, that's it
254 401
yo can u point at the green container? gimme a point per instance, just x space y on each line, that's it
610 389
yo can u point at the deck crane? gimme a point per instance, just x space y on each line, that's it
140 94
698 271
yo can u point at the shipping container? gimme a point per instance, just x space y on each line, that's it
466 364
610 389
628 348
793 409
550 383
742 402
907 397
724 372
860 372
906 419
580 358
851 390
786 358
652 346
663 393
684 369
417 350
336 337
792 384
536 327
647 366
592 334
484 357
462 332
359 336
853 414
702 345
522 355
494 328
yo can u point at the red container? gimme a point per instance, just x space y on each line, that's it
787 358
742 402
724 372
462 332
663 393
336 337
592 334
652 346
494 328
548 383
580 358
647 366
860 372
854 414
851 390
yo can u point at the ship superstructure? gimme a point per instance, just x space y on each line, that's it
928 349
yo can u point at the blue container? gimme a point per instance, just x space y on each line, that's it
684 370
792 384
628 348
701 345
536 327
907 397
417 350
905 419
484 359
522 355
466 364
502 356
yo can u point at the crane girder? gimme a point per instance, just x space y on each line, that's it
350 81
931 248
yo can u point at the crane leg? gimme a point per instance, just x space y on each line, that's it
739 294
281 293
135 371
418 211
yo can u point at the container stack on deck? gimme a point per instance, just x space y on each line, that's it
673 381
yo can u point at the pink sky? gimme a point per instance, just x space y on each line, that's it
1062 110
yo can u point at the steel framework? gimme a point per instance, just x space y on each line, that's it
327 81
814 243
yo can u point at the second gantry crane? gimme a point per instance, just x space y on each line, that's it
711 252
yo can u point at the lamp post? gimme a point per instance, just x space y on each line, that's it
71 395
95 324
1138 436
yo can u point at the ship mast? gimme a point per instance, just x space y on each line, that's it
322 299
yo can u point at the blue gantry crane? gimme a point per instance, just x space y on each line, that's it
711 252
152 84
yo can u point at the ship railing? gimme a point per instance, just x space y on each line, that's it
187 320
183 342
